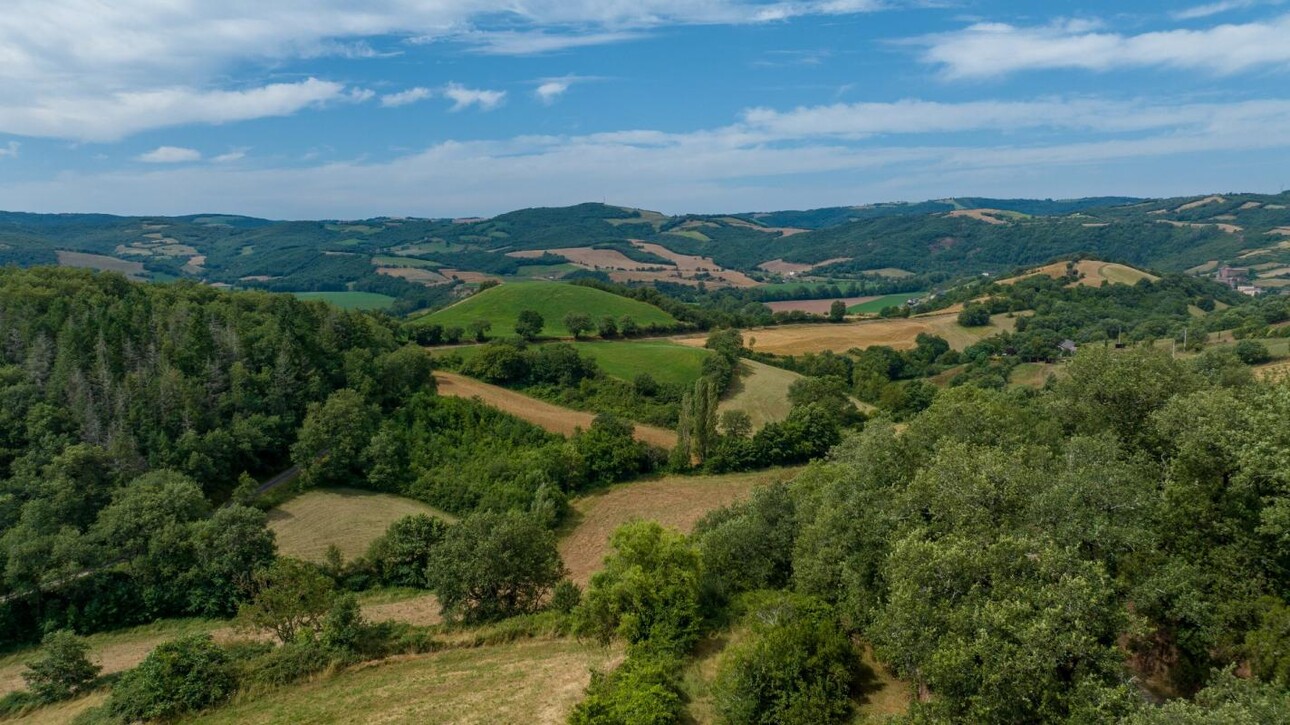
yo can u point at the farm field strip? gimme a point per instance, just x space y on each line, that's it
899 333
539 412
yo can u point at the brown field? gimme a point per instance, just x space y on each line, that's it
530 681
1271 283
1250 205
983 215
133 270
691 264
1274 371
590 258
540 413
1229 228
898 333
1276 271
782 231
675 277
779 266
677 502
347 518
890 272
818 307
1280 230
1202 202
413 274
469 277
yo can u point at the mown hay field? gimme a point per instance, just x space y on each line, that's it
899 333
676 502
761 391
501 306
539 412
530 681
347 518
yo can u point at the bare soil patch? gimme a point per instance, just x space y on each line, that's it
818 307
538 412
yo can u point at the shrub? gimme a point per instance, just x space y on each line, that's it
644 690
63 669
178 677
566 597
401 555
797 667
1252 352
974 316
291 597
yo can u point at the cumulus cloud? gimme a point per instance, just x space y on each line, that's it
988 50
408 97
549 90
463 97
171 155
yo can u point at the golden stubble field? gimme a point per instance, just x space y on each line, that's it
898 333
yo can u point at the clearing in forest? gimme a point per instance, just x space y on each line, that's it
350 300
103 263
665 361
501 306
539 412
1093 273
347 518
818 307
677 502
529 681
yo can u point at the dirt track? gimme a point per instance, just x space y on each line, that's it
538 412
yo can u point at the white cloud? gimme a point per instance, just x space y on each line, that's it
994 49
10 149
171 155
767 159
463 97
549 90
404 98
111 116
127 56
1225 6
230 157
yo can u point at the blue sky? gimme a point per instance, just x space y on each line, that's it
343 109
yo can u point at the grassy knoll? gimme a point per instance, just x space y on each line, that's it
502 305
676 502
667 362
875 306
761 391
350 300
345 517
533 681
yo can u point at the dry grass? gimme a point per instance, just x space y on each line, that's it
761 391
899 333
540 413
676 502
1202 202
65 712
779 266
692 264
1034 375
817 307
413 274
1228 228
1209 266
469 277
347 518
1092 273
133 270
590 258
533 681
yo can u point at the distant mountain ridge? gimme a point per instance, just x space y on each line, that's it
945 237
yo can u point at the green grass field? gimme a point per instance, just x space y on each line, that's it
667 362
535 271
502 305
875 306
390 260
350 300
